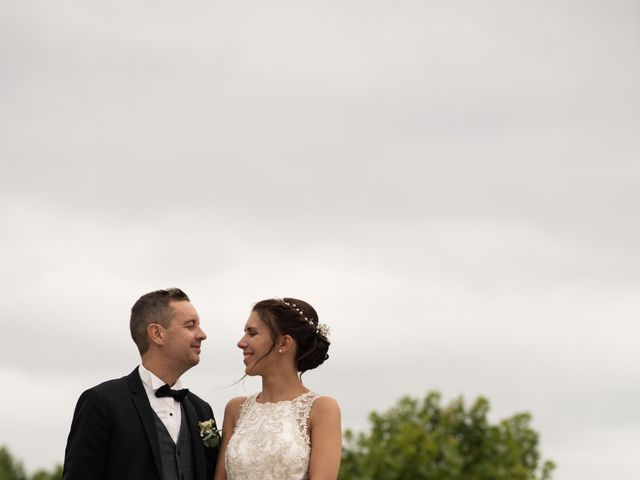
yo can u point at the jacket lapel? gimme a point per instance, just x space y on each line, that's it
196 442
141 402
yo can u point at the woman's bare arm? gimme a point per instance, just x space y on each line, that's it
326 439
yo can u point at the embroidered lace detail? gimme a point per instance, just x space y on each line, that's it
271 440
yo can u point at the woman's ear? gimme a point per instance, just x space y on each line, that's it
285 343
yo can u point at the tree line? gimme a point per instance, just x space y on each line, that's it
12 469
416 439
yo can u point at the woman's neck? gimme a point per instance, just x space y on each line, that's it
281 387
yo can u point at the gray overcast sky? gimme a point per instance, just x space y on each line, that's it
453 185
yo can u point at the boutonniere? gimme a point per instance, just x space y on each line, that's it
209 433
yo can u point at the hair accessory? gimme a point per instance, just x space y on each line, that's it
300 312
321 328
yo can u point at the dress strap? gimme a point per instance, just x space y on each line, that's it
302 407
244 407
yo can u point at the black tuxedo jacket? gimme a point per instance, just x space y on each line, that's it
113 435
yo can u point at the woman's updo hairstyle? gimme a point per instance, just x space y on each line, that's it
298 319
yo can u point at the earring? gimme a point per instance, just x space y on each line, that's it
279 350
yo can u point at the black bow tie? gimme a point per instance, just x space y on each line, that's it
178 395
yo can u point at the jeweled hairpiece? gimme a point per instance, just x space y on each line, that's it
321 328
300 312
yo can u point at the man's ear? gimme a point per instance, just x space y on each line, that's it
155 333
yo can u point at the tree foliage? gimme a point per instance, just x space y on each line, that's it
420 439
12 469
56 474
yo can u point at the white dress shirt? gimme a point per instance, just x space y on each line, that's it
167 408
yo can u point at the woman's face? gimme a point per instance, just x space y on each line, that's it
256 345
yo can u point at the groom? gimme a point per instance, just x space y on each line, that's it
145 425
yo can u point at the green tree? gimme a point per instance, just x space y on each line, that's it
56 474
12 469
423 440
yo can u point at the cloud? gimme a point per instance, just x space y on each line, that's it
452 186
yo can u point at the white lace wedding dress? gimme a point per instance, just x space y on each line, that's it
271 440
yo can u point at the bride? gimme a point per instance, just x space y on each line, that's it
286 431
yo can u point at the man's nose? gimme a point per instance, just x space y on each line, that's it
202 335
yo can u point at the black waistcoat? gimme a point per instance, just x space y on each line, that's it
177 459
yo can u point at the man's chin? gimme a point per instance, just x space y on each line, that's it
194 360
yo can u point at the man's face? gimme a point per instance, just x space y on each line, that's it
183 336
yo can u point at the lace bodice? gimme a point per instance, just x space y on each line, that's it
271 440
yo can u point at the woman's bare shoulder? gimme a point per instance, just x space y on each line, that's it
325 405
234 405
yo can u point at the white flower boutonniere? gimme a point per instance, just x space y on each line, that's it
209 433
